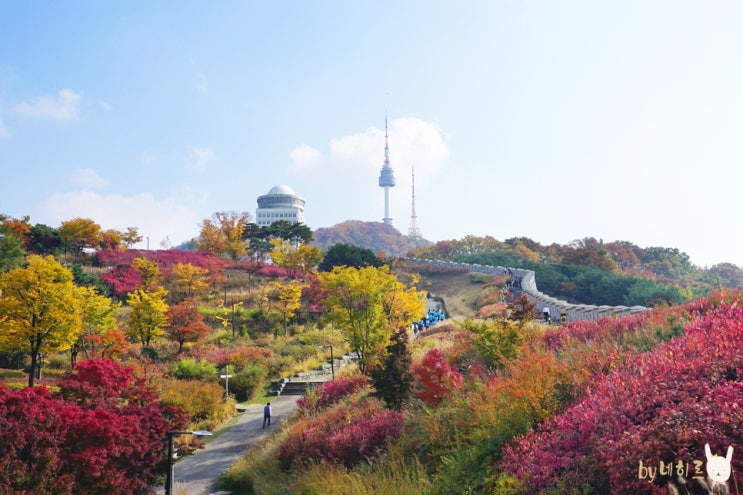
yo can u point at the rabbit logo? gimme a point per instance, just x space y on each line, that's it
718 467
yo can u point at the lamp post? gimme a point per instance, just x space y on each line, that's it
332 360
171 436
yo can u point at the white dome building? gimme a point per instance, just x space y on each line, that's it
281 203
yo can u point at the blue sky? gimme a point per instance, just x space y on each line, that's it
550 120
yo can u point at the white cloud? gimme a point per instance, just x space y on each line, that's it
63 108
203 157
87 178
155 218
352 165
412 142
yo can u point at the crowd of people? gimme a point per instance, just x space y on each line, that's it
432 317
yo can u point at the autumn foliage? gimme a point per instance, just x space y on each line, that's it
658 406
342 436
103 432
330 393
436 378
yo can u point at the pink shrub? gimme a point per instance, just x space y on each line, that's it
331 393
436 378
123 278
341 436
659 406
273 271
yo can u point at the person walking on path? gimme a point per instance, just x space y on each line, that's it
267 415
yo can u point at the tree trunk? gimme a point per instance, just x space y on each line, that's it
32 370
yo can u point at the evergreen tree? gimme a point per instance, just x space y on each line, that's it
393 379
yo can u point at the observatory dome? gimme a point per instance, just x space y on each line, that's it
281 189
281 203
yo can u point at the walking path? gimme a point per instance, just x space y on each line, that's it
197 474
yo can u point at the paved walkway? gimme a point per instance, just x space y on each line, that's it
197 474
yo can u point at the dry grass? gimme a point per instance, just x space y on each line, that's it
458 289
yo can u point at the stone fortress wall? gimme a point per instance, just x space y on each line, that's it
525 282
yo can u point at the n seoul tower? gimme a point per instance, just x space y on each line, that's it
386 177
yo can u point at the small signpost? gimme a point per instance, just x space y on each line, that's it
226 377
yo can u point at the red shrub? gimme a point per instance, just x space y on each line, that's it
331 393
435 378
104 433
659 406
273 271
341 436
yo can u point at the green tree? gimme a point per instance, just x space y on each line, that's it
39 310
11 252
348 255
393 379
43 239
367 305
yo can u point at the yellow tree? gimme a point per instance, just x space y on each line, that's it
80 233
148 271
288 297
232 225
98 319
210 238
112 239
222 234
148 315
368 304
190 279
308 257
131 236
283 254
39 310
302 258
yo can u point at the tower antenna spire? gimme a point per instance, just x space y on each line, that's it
386 176
414 231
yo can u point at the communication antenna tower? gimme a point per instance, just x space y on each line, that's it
414 231
386 177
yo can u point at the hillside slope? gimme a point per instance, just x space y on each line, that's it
377 236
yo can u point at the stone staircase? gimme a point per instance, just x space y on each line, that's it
288 387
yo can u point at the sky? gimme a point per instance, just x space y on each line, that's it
549 120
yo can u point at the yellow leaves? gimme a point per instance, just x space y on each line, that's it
80 233
368 304
148 314
190 279
148 270
39 308
302 258
223 234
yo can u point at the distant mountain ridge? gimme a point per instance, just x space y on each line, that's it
376 236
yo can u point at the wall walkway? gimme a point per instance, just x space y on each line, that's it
524 281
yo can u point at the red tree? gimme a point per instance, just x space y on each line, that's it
186 323
104 432
436 377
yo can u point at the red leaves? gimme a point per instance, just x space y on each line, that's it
341 436
659 406
104 433
436 377
186 323
331 393
123 278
